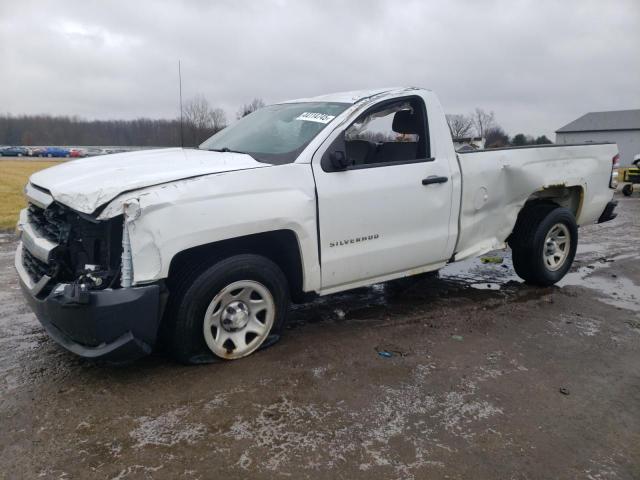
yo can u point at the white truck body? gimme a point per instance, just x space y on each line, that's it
353 227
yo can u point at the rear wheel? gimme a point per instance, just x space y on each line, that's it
228 310
544 244
627 190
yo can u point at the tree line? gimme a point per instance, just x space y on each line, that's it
483 124
199 121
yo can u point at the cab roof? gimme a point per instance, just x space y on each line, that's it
353 96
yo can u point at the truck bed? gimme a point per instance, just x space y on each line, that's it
496 183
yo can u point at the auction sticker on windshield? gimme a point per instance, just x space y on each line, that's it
315 117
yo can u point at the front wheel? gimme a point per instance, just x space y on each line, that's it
228 310
627 190
544 244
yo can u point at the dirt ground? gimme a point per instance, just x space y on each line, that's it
484 377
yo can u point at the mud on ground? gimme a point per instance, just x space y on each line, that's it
466 374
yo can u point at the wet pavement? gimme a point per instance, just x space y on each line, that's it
465 374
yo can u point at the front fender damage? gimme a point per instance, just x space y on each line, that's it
141 256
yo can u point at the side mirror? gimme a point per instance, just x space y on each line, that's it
339 160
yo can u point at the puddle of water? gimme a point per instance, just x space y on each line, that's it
617 290
407 296
486 286
482 276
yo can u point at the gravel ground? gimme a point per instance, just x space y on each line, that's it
484 378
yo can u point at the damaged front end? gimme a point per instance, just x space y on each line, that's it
76 274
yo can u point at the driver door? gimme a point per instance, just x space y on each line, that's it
388 210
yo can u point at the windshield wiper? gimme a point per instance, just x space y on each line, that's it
225 150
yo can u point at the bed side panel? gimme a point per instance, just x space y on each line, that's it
496 185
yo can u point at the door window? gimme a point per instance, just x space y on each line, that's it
395 132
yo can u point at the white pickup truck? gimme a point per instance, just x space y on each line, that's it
202 250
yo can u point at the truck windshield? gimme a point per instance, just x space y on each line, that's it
276 134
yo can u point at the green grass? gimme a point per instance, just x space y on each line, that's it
14 175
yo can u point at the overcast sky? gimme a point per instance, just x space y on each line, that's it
536 64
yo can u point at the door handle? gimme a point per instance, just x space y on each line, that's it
434 179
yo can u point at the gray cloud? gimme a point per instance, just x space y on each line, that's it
537 64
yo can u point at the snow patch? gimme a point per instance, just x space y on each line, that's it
167 430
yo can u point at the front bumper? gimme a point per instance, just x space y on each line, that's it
608 213
114 325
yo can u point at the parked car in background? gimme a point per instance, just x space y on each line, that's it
77 153
55 152
14 152
92 151
37 151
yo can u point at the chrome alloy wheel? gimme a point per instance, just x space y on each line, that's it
239 319
556 247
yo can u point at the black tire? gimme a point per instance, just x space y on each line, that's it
527 243
193 289
627 190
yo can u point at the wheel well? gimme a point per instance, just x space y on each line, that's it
280 246
568 197
560 195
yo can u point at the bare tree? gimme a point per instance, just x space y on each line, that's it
460 125
219 119
201 121
197 112
483 121
246 109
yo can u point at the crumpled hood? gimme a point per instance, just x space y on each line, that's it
88 183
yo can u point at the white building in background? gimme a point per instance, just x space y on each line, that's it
619 126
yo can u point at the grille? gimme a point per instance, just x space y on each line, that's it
79 242
34 267
50 223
